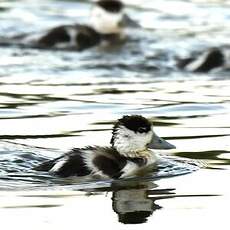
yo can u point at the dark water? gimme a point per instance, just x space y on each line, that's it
51 101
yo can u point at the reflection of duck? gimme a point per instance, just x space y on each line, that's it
209 60
107 23
135 201
134 204
128 156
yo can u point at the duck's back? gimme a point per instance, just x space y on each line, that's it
95 161
66 37
76 36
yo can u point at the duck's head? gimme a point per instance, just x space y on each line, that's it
133 135
107 16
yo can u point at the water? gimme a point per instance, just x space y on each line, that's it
52 101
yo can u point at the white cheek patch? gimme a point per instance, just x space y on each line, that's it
105 22
128 142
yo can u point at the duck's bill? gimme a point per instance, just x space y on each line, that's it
160 143
128 22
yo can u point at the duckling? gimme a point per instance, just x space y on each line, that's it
204 62
129 154
107 23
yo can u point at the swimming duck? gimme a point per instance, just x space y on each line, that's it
203 62
129 154
107 21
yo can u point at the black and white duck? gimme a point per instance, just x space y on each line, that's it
130 153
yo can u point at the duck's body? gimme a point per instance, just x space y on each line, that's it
104 162
204 62
107 22
128 156
76 36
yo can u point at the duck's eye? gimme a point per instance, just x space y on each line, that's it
141 130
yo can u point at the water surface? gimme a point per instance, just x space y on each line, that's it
51 101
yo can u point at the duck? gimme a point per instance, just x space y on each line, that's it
106 25
203 62
129 155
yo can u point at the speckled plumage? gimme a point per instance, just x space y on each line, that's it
95 161
128 156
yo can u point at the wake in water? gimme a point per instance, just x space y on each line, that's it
17 162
